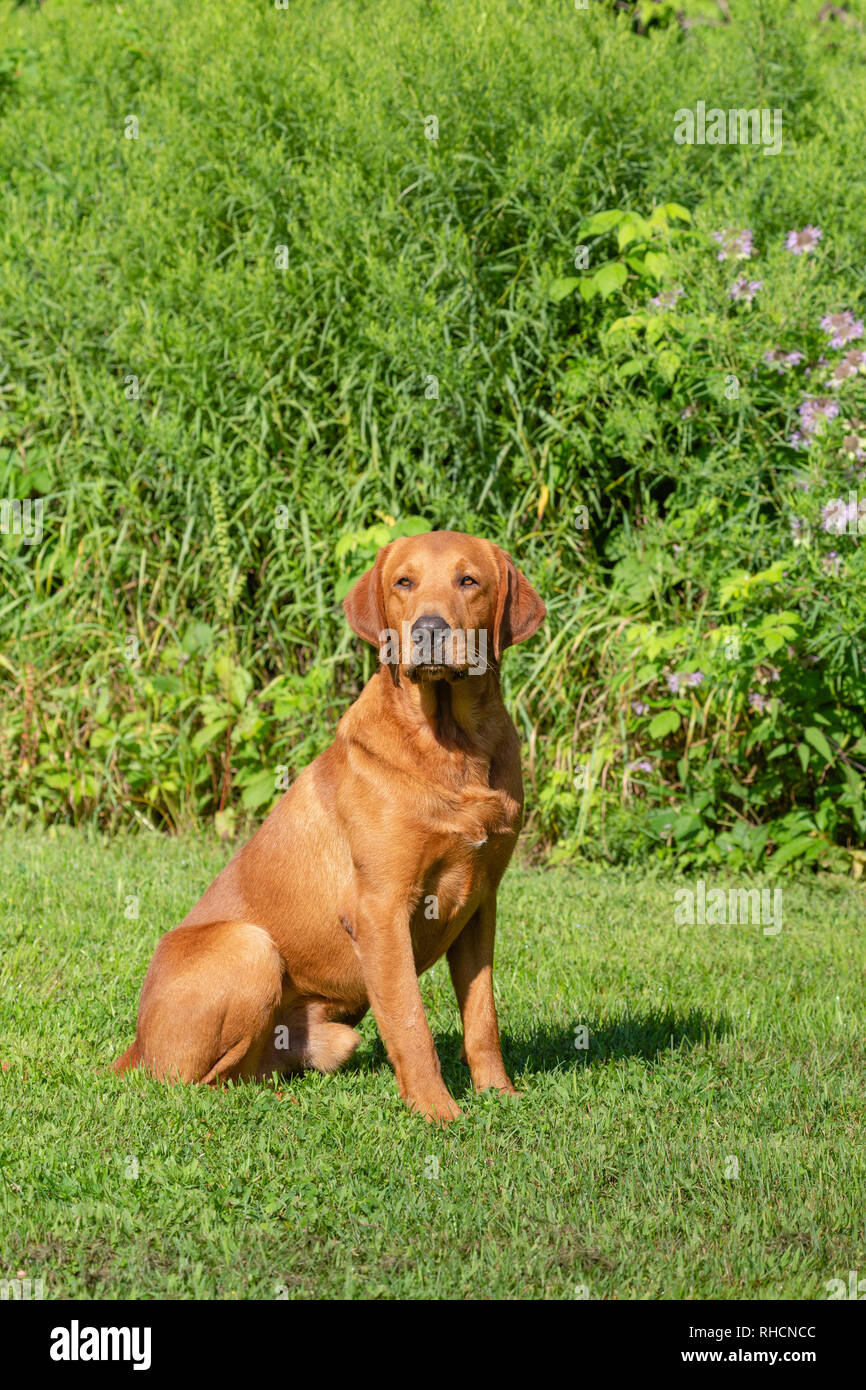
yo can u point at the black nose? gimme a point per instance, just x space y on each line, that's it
429 622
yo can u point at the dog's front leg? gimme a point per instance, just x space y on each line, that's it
470 961
384 946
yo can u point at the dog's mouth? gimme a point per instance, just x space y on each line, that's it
425 673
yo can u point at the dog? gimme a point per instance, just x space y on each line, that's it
384 855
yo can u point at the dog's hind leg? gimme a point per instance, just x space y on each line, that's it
231 1065
208 1002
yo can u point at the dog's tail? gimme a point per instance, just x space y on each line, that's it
130 1059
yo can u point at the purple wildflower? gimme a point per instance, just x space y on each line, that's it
734 246
638 707
745 289
642 765
674 684
855 447
758 701
799 243
852 363
694 679
815 412
775 357
842 328
667 299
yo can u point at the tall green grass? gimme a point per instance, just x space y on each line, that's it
197 509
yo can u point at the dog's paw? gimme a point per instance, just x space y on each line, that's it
437 1110
497 1086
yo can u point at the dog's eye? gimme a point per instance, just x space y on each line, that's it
467 582
404 582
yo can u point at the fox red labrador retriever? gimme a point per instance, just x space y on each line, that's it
385 854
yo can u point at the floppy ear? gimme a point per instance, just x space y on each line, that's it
364 604
520 610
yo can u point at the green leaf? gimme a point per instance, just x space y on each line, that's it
669 362
168 685
632 366
601 222
658 264
558 290
259 790
345 544
588 288
206 736
686 824
664 723
735 586
819 743
801 846
633 227
199 637
610 277
773 574
412 526
629 323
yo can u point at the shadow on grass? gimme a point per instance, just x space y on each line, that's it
551 1047
643 1035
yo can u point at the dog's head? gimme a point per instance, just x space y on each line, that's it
443 605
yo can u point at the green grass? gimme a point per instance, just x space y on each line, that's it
609 1172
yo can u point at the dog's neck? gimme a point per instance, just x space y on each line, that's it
460 715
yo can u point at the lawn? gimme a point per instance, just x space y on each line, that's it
612 1177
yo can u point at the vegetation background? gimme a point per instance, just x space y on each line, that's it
254 321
